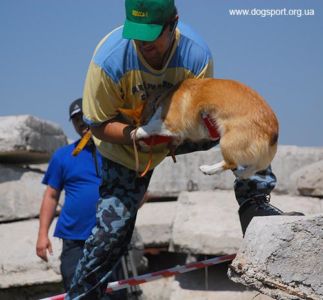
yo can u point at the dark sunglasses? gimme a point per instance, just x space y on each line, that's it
172 27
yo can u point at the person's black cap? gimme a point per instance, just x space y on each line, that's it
75 107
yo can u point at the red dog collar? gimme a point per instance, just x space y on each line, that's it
157 139
211 126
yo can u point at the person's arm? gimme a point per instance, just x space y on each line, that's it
47 214
114 132
102 98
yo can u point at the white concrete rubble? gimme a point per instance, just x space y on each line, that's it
290 159
199 285
26 138
158 289
21 193
282 257
19 264
154 223
208 222
211 284
309 180
170 179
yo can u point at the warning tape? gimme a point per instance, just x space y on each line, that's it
123 284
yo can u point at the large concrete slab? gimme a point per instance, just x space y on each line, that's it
208 222
306 205
21 193
199 285
154 223
309 180
282 257
157 290
290 159
19 264
211 284
170 179
27 139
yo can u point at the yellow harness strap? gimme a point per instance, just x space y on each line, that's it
84 140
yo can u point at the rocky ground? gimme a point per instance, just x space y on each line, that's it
189 217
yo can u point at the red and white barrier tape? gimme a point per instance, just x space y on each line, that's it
123 284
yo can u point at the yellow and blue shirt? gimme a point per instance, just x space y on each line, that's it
119 77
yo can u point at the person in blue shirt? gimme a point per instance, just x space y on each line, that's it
79 177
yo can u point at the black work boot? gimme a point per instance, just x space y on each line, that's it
259 206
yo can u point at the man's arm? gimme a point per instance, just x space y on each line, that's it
47 214
114 132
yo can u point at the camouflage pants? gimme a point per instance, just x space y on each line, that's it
120 194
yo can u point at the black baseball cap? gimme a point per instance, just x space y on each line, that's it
75 107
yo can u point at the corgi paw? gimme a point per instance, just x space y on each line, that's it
213 169
207 170
139 133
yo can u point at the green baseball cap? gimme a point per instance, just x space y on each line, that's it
145 18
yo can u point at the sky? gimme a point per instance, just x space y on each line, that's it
46 47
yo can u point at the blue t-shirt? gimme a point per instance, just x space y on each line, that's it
78 177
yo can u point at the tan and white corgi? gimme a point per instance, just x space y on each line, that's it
247 126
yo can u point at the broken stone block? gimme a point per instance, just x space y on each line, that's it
282 257
309 180
154 223
19 264
27 139
158 289
288 203
210 284
21 193
290 159
206 223
170 179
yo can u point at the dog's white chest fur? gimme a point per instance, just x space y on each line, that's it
155 126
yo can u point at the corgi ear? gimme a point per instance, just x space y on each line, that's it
134 114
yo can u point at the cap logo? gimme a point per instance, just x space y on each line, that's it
138 13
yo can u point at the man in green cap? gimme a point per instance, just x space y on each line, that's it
145 19
150 54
